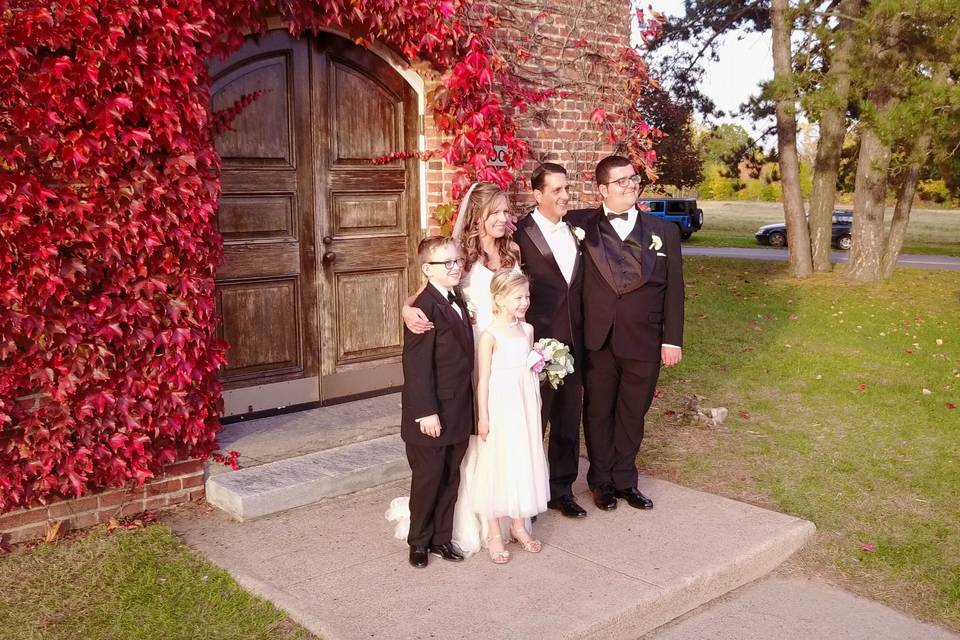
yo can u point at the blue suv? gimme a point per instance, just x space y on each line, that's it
683 212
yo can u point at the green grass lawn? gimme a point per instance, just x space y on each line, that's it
732 224
828 418
140 583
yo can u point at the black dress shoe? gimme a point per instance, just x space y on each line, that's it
605 499
447 551
634 498
567 506
418 556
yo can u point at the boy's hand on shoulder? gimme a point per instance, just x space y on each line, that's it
483 429
430 426
415 319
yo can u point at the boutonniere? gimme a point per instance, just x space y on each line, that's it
472 312
577 232
655 242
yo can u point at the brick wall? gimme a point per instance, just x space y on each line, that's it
181 482
570 44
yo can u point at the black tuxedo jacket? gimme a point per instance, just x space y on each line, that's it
438 374
556 308
638 320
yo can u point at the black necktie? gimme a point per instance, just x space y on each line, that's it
618 216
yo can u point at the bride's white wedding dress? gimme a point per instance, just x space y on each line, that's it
522 415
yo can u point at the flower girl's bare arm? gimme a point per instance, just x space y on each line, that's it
484 358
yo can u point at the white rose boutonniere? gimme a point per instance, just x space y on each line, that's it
472 311
578 233
655 242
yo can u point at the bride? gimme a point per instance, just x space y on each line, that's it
483 229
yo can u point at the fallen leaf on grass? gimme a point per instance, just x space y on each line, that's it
669 412
55 530
926 391
744 414
949 405
939 342
869 547
793 316
861 387
658 393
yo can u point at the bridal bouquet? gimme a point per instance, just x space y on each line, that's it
551 360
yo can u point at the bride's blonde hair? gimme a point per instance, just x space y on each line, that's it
479 208
506 281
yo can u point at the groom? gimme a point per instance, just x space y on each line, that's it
633 322
550 255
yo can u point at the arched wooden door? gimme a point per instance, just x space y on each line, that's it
318 241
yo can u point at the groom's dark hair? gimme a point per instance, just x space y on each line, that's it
608 164
539 176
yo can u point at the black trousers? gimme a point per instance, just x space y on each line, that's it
618 393
433 491
562 409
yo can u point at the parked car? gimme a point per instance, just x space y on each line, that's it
775 235
683 212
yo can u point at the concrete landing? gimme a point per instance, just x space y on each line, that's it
790 608
336 569
294 482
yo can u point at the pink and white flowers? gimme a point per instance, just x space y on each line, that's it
551 360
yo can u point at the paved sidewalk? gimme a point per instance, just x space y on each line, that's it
336 569
790 608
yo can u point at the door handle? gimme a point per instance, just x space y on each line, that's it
329 257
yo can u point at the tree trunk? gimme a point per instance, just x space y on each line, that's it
833 121
798 235
868 207
901 213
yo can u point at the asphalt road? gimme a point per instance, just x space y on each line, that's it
950 263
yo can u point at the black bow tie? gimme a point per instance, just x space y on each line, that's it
618 216
452 298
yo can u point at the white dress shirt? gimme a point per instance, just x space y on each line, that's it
443 292
561 242
623 227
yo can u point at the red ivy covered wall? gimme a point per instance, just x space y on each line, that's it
108 191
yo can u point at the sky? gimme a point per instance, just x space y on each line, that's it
742 65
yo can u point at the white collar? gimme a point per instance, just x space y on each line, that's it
443 290
545 224
632 211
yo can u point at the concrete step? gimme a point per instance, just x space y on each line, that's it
300 480
265 440
335 567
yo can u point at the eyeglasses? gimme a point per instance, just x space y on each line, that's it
449 264
624 183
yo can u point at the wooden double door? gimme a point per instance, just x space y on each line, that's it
318 242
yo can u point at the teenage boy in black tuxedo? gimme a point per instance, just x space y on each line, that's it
633 322
437 402
550 256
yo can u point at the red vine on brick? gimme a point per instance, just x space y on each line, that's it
108 194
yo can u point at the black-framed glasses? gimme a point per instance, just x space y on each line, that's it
449 264
624 183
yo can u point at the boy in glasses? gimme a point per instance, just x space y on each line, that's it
437 402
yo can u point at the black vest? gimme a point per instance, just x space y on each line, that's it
623 256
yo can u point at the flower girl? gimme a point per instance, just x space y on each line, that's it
510 477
